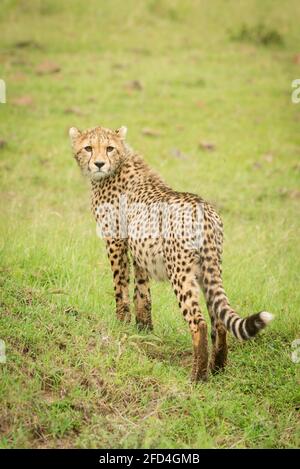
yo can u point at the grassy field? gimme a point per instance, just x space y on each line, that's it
191 72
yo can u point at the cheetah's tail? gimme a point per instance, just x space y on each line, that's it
241 328
245 328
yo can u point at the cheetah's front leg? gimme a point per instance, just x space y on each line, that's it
219 351
117 251
142 298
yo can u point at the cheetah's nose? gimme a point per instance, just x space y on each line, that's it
99 164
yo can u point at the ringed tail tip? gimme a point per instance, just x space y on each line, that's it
266 317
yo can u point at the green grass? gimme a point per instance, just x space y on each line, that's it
74 376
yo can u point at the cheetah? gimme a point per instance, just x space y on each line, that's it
145 230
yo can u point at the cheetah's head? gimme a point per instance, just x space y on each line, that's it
98 151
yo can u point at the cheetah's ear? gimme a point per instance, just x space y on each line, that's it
74 134
121 132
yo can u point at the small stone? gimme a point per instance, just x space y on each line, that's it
150 132
135 85
205 145
23 101
47 68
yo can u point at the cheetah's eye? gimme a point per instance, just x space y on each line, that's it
88 148
109 149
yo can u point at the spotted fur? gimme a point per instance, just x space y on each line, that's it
190 262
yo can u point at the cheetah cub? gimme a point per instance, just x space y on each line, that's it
170 235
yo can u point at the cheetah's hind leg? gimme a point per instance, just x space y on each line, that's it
187 291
